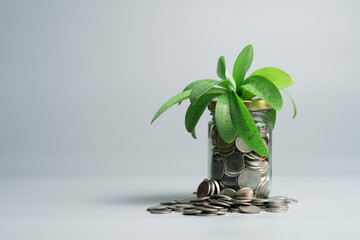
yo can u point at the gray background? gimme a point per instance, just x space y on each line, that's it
81 80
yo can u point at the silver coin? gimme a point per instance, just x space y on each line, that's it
266 144
206 214
212 187
191 211
245 192
220 196
222 212
228 181
249 209
237 210
248 155
184 205
203 189
217 207
217 187
249 178
217 170
241 145
163 211
276 210
260 201
242 201
172 207
206 209
234 164
219 203
228 192
158 207
255 155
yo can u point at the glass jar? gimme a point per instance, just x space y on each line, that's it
235 165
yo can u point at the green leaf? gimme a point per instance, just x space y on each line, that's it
245 125
277 76
193 84
264 89
272 117
242 64
178 98
292 101
195 111
221 68
223 120
193 134
227 85
200 89
247 95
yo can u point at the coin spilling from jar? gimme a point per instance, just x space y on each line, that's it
211 201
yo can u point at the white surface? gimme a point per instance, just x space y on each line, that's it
114 208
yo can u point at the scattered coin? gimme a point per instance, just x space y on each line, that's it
158 207
191 211
162 211
245 192
249 209
206 214
228 192
203 189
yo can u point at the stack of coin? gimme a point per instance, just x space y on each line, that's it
223 203
208 188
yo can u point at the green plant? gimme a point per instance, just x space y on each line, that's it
231 115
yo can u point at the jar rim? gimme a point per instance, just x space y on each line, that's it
250 105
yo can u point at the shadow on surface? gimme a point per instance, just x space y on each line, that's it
145 198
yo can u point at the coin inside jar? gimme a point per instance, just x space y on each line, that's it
217 170
234 164
249 178
241 145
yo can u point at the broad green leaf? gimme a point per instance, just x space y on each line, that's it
245 125
200 89
264 89
193 134
292 101
242 64
193 84
247 95
223 120
272 117
277 76
227 85
178 98
195 111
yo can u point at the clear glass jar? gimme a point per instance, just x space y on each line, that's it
235 165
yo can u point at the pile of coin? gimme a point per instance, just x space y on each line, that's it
236 166
228 201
